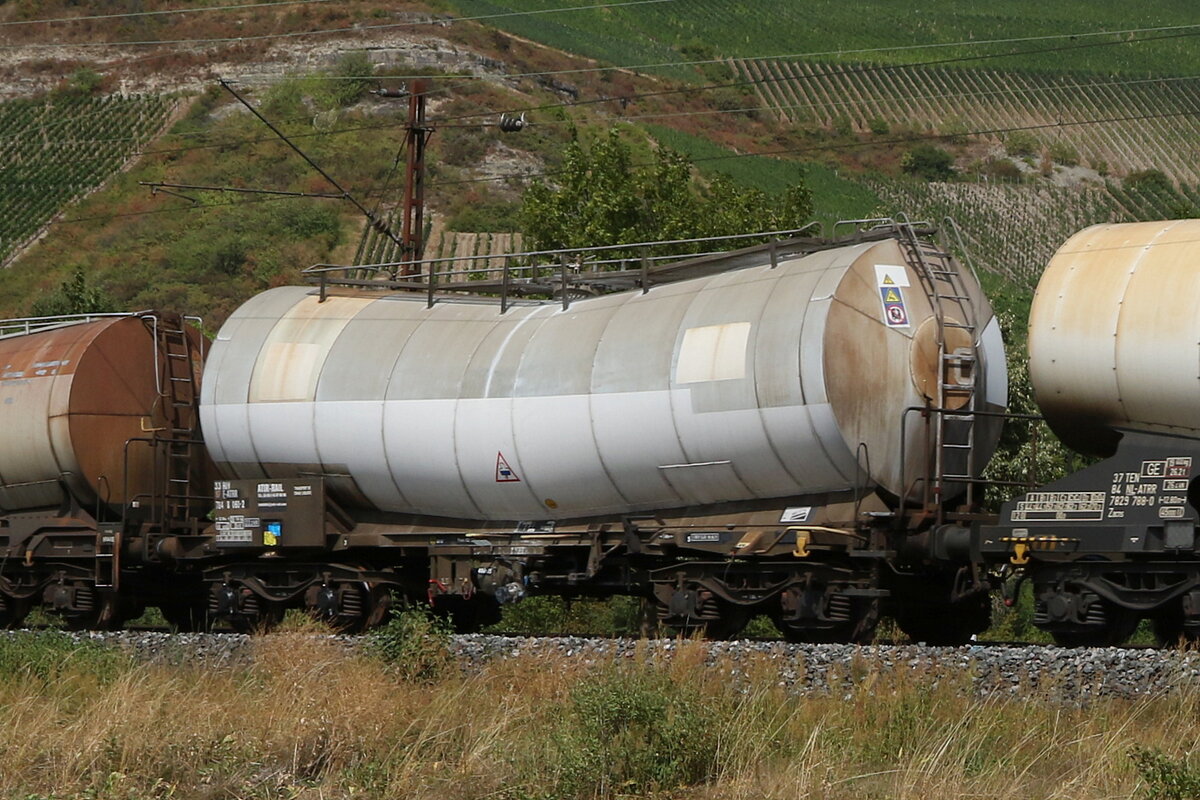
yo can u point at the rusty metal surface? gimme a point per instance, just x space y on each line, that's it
69 400
1113 333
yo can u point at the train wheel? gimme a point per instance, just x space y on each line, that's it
946 625
13 610
95 612
256 615
1169 630
858 629
1120 625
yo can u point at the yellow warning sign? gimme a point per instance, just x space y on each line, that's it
887 281
891 297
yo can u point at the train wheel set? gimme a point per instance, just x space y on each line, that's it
798 428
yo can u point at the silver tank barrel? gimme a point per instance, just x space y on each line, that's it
753 383
1113 333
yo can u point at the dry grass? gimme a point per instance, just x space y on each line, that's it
309 720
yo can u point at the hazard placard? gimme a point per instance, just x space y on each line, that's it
505 473
895 314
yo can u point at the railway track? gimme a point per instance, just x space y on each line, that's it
1004 669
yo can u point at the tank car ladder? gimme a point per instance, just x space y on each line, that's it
180 436
953 443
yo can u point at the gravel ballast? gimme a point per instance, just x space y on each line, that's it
990 670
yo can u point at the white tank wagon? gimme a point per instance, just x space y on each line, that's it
755 384
1114 338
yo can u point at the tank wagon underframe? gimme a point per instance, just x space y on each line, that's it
1109 545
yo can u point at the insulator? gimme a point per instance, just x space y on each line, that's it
511 124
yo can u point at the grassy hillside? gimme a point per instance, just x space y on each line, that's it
673 31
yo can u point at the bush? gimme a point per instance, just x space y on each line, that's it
1166 778
879 126
352 78
1022 143
73 296
414 643
928 162
635 730
1064 153
1150 180
1002 169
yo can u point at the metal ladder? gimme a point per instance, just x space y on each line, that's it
953 445
179 436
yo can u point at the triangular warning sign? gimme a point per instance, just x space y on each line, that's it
891 297
504 473
887 281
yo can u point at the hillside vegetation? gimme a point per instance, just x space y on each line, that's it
680 31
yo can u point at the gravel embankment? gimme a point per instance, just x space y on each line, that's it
1030 670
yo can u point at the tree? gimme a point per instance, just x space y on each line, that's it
603 198
73 296
928 162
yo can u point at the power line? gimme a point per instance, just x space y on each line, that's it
857 70
905 97
703 159
129 14
859 144
352 29
783 57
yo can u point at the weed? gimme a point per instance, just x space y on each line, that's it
1166 778
414 643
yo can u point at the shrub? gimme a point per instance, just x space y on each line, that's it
636 730
1002 169
414 643
929 162
73 296
1064 153
1022 143
879 126
1166 778
1150 180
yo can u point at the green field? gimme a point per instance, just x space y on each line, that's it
834 197
652 33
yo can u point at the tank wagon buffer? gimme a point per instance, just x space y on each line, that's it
103 484
1115 366
731 434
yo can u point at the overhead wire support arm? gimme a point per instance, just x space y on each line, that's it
375 222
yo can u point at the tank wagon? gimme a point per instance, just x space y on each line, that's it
1115 365
779 429
101 476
